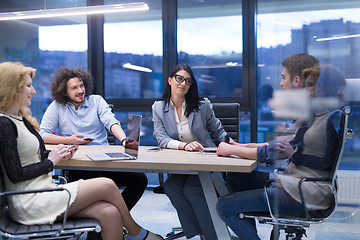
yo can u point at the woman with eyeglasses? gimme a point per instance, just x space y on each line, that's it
185 121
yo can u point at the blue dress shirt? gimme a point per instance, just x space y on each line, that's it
90 120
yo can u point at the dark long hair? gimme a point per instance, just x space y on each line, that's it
192 97
59 84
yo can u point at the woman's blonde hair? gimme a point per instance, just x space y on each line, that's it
12 80
314 71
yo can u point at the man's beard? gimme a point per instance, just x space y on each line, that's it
77 101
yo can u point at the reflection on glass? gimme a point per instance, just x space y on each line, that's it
210 41
57 48
133 55
328 31
147 127
44 45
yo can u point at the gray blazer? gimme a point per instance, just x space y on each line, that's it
204 126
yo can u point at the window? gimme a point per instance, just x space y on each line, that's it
133 54
210 42
328 31
133 60
44 44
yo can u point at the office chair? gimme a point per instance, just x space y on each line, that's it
294 226
229 116
68 228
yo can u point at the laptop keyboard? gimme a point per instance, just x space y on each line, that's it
116 154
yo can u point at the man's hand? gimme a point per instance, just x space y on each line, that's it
285 147
131 143
78 139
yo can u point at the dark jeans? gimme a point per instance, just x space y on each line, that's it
230 206
134 183
238 182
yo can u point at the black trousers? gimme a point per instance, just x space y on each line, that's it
134 183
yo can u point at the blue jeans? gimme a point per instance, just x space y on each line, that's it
230 206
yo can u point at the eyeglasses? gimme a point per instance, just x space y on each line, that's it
181 79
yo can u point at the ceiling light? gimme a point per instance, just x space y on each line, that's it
60 12
337 37
137 68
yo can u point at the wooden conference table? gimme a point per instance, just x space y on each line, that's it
167 161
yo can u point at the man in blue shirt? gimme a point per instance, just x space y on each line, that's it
291 78
82 119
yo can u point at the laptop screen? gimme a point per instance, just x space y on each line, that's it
133 134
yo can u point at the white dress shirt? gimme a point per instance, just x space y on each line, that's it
182 127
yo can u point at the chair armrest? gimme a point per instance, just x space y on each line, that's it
8 193
270 181
60 179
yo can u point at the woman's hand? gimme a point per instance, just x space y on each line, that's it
62 152
285 147
193 146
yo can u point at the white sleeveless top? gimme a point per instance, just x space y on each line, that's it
37 208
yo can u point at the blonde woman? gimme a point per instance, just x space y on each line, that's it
27 165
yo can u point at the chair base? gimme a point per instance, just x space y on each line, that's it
173 235
291 232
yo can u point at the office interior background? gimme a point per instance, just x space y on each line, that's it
235 48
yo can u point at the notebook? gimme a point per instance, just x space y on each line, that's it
132 143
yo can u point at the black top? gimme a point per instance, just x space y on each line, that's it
9 154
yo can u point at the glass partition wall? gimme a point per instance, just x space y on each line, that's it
328 30
235 48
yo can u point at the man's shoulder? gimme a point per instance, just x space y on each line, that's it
94 97
56 104
93 100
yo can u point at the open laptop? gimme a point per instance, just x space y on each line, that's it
132 143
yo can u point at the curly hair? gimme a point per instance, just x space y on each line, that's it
62 76
12 80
